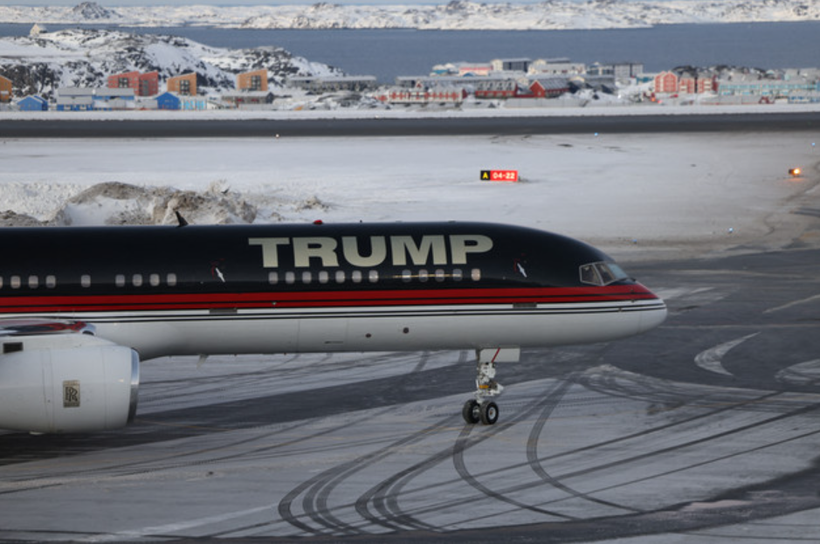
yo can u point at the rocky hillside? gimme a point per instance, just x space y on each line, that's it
86 58
453 15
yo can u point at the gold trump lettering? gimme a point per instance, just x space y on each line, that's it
326 252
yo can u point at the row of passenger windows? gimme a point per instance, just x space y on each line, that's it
289 278
372 276
137 280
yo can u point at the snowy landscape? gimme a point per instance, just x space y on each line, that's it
455 15
635 196
84 58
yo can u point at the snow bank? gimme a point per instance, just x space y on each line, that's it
636 196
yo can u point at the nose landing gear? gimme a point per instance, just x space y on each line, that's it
481 408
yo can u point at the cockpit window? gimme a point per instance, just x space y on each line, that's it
601 273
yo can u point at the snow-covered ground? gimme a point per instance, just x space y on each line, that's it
635 196
454 15
85 58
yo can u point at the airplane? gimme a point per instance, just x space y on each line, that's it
81 306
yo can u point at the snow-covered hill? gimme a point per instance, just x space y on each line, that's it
85 58
456 15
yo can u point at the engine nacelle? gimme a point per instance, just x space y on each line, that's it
66 383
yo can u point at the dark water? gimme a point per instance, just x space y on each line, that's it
388 53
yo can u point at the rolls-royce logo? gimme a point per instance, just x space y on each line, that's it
71 394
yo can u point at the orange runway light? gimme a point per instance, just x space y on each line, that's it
794 172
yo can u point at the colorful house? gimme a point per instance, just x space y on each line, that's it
5 89
173 101
184 85
252 81
143 84
32 103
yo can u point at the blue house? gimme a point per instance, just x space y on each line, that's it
173 101
32 103
169 101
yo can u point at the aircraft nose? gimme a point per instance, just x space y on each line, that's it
654 315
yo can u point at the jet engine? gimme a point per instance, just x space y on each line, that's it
66 383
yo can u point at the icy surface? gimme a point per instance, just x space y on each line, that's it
678 194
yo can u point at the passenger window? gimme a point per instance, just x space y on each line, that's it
475 274
290 278
1 282
85 280
406 276
340 276
119 280
153 279
15 282
307 277
273 278
136 279
323 276
440 275
356 276
33 282
171 279
423 276
51 282
373 276
457 274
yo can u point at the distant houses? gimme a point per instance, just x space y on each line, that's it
518 82
174 101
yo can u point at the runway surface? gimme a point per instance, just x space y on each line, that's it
706 429
382 125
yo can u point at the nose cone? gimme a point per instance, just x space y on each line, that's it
654 313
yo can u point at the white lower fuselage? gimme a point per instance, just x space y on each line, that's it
393 328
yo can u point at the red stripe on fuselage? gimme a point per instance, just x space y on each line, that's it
318 299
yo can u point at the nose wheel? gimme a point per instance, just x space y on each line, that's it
486 412
481 408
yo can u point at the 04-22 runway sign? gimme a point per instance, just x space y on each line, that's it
499 175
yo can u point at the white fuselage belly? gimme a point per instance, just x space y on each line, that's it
391 328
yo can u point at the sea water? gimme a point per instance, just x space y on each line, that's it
387 53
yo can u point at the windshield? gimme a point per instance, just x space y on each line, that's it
601 273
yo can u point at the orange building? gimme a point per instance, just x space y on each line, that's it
667 82
5 89
252 81
697 84
184 85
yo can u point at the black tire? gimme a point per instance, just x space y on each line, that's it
489 413
471 412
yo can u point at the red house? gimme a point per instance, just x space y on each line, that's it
143 84
697 84
667 82
149 84
548 87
